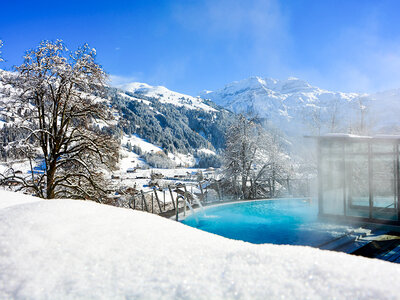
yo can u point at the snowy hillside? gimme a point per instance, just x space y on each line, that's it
165 95
169 121
79 249
292 105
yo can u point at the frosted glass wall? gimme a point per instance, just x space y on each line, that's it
332 167
384 181
359 178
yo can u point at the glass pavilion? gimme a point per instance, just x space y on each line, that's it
358 177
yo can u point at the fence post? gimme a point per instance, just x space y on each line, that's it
172 197
218 190
164 198
184 187
177 206
158 200
144 201
201 190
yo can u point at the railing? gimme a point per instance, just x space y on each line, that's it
181 196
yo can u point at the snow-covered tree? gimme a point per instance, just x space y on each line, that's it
240 153
56 109
252 155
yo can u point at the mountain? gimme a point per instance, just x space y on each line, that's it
178 122
165 95
190 130
163 128
292 105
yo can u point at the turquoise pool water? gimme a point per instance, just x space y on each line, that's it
281 221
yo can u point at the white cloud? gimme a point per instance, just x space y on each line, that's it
116 80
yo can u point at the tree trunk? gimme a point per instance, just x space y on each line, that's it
51 172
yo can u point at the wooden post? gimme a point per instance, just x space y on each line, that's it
142 201
184 187
158 200
172 197
164 198
185 199
184 206
201 190
144 204
132 198
218 191
152 206
176 207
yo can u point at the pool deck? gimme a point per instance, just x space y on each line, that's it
379 244
385 247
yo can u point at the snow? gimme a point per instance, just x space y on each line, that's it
134 99
136 140
147 147
206 151
165 95
289 105
80 249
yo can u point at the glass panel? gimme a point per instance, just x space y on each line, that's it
329 147
332 169
384 186
382 148
357 148
357 180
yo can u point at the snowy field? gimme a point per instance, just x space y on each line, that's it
70 249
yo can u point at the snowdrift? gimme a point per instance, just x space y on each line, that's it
80 249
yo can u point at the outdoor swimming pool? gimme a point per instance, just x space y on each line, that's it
280 221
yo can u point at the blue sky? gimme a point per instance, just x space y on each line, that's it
189 46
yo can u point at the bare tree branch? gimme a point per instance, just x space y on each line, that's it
56 113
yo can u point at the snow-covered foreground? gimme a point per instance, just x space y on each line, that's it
80 249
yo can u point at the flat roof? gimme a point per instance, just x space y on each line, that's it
346 136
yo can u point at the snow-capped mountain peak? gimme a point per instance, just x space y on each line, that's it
165 95
288 104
